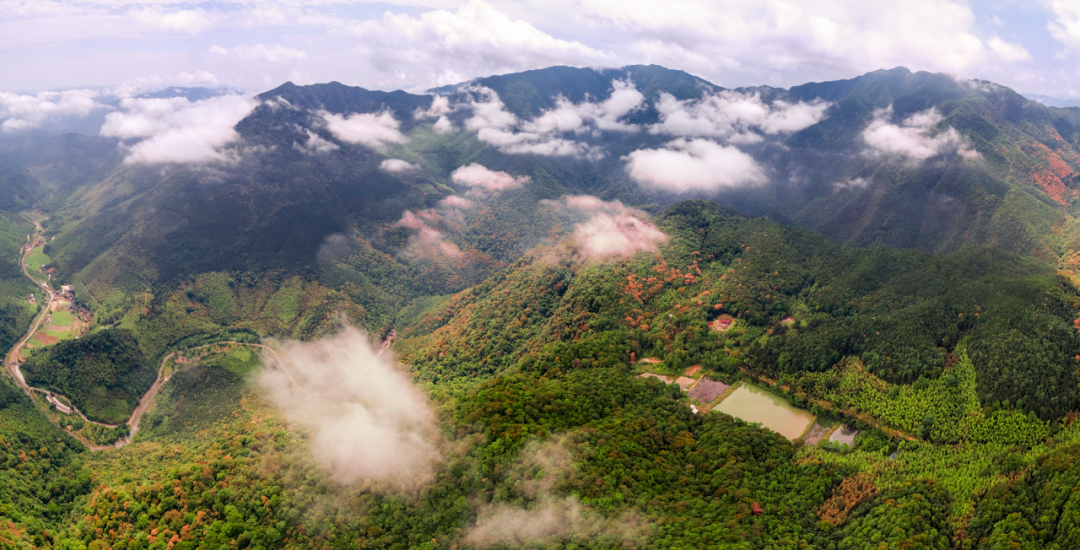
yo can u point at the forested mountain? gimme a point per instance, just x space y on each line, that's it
896 253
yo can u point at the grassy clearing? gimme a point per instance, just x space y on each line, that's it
36 259
63 318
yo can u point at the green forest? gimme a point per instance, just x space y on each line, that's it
934 308
536 363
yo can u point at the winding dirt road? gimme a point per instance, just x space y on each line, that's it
11 364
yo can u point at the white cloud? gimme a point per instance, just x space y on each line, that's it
912 137
190 21
397 165
1066 24
607 236
431 43
613 230
499 127
368 422
545 134
315 144
371 129
851 184
440 107
273 53
477 176
734 117
20 112
605 115
176 130
454 201
693 165
442 47
1008 52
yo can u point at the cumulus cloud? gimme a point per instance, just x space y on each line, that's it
693 165
478 176
547 518
734 117
1066 24
274 53
501 128
1008 51
442 47
371 129
315 144
547 133
397 166
578 117
912 138
368 422
177 130
20 112
440 107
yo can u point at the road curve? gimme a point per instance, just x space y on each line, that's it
11 364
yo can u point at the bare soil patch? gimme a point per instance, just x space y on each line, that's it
845 435
45 339
722 323
815 434
685 382
708 390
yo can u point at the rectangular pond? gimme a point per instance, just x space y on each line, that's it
753 404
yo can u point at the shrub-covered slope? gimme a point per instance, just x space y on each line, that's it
901 313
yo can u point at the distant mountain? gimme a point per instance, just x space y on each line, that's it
1053 101
890 158
189 93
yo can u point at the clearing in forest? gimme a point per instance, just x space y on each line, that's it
684 382
722 323
844 435
816 433
708 390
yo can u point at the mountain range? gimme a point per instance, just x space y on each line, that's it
895 253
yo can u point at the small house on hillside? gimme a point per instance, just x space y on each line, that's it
67 288
722 323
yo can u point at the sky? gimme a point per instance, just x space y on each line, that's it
127 47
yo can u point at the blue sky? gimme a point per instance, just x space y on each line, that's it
130 46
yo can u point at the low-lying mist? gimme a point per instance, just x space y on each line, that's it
368 422
549 519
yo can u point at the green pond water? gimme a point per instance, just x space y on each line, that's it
753 404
